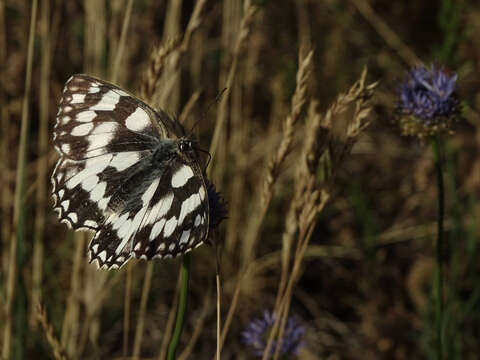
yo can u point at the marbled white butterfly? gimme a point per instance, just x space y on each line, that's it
128 173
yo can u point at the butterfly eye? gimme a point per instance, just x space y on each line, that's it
185 145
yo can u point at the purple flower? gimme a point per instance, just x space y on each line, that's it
217 206
258 330
427 100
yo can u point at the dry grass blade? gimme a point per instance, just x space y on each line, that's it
143 308
324 148
155 66
70 327
177 55
299 99
170 323
245 27
123 39
57 349
4 155
44 98
19 190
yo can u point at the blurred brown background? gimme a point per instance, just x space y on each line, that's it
365 290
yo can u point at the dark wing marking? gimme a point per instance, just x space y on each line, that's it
178 217
97 118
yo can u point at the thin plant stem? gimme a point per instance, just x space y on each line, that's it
126 313
18 208
182 306
436 145
217 278
143 308
123 38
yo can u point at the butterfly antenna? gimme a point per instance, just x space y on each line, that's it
204 115
209 156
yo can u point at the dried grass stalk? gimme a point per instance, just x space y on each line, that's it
19 190
143 308
174 50
325 147
123 40
42 168
155 67
245 28
275 165
57 348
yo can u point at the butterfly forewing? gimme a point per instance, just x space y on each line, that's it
117 176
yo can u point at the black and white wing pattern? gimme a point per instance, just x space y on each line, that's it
127 173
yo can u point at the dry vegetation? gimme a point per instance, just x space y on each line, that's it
331 211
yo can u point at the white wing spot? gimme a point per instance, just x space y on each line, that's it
96 142
108 102
170 226
82 130
156 229
181 176
67 109
73 216
201 192
98 191
103 255
161 208
148 194
138 120
161 247
102 204
61 193
95 248
89 183
65 119
105 128
198 218
137 246
85 116
93 89
188 206
171 247
65 148
185 236
64 204
77 98
124 160
91 223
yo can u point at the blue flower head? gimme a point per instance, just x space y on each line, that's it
427 101
258 330
217 205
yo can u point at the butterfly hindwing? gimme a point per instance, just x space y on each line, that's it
177 220
120 175
168 219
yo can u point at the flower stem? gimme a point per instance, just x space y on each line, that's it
436 145
182 307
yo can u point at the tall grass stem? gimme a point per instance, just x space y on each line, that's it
439 305
19 193
182 306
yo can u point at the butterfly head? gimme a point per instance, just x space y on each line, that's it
185 145
189 149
